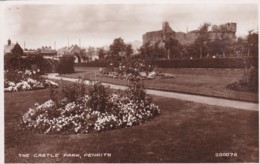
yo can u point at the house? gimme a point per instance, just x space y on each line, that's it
94 56
12 48
29 52
74 50
47 52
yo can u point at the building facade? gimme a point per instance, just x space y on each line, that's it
227 30
12 48
74 50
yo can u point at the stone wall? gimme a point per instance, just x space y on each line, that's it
153 36
227 30
186 38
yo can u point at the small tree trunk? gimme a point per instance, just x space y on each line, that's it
169 54
200 52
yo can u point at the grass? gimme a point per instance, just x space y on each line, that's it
201 81
183 132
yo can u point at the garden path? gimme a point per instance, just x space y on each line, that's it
183 96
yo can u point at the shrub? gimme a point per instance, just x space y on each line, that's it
136 91
249 83
99 97
66 65
12 62
15 80
188 63
73 92
16 62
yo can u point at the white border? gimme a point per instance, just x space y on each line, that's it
73 2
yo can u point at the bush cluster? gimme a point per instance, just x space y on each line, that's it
99 97
66 64
249 83
17 62
15 80
73 91
206 63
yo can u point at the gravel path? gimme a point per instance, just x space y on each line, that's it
183 96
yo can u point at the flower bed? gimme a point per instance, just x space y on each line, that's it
141 75
133 70
25 80
93 112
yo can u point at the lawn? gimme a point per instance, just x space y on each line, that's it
201 81
183 132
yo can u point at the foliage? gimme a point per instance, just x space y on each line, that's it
206 63
17 62
249 82
201 43
66 64
12 62
90 52
128 50
136 91
118 50
153 51
84 55
252 40
99 97
221 46
173 47
74 91
230 62
101 53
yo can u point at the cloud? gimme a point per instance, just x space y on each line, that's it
42 24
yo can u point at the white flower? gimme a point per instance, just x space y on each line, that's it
32 81
51 83
11 83
28 72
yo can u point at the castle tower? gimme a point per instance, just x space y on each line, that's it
232 27
166 29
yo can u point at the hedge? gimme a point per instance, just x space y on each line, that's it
189 63
66 64
18 62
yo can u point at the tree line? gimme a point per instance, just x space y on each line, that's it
202 47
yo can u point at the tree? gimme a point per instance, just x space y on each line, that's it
128 50
240 46
252 41
66 64
83 55
101 53
172 46
216 47
117 49
13 61
90 52
202 41
152 50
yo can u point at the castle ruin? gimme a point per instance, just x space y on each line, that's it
227 30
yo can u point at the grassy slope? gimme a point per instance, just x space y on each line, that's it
184 132
210 82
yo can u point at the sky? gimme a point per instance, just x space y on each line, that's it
99 24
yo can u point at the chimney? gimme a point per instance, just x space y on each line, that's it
9 42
